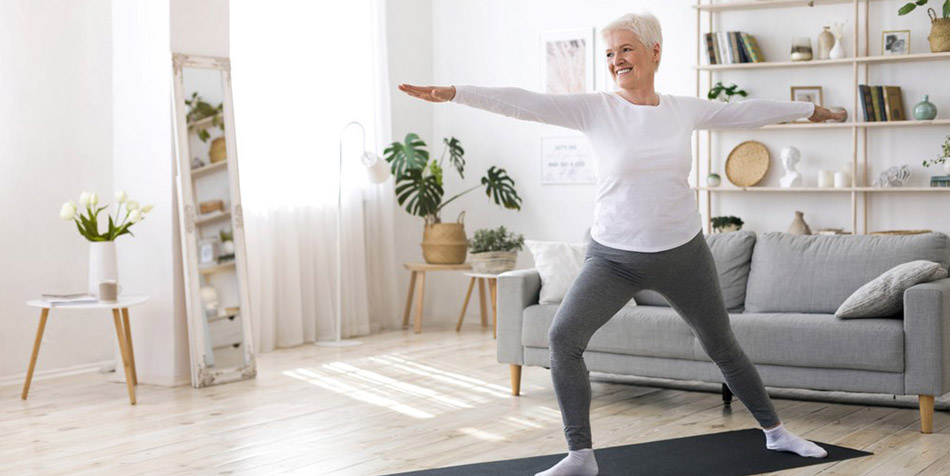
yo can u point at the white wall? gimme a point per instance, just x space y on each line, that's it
496 43
55 142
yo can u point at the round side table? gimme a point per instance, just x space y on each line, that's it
122 332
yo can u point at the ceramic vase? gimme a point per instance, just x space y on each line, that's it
102 264
925 110
838 51
825 42
798 226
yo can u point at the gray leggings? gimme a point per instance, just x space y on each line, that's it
686 276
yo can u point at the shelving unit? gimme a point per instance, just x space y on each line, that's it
859 130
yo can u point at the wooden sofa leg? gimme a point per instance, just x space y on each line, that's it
926 413
726 395
516 380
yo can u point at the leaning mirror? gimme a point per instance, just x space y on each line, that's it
212 225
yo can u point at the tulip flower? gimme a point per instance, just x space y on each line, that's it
121 197
146 209
131 205
84 199
135 216
67 211
93 198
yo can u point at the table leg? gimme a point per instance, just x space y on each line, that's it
471 284
412 287
36 350
120 334
493 287
128 340
481 300
422 293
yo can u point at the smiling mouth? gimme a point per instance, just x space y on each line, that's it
623 71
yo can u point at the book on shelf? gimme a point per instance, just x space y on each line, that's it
732 47
940 181
882 103
74 298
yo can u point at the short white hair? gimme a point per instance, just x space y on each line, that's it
644 25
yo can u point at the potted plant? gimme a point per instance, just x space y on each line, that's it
940 27
719 92
943 158
102 259
726 224
419 189
198 110
494 251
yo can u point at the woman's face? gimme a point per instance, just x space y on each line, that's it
630 62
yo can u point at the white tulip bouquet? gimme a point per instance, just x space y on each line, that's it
87 221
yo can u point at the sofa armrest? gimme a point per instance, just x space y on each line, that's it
517 290
927 338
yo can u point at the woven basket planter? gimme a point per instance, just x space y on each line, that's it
445 243
939 34
493 262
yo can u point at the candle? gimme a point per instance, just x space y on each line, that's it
826 178
842 180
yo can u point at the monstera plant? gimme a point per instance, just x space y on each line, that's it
419 184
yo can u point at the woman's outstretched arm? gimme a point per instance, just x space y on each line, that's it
566 110
753 113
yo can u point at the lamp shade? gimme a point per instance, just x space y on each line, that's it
376 168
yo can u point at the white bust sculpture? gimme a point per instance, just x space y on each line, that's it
790 157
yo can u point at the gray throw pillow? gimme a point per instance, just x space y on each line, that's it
884 296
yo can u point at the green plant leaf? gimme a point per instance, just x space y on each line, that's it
111 233
81 231
456 154
921 3
410 155
500 188
946 9
906 9
420 194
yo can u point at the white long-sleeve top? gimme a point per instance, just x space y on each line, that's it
641 153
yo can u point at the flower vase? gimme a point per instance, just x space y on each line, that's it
102 264
837 51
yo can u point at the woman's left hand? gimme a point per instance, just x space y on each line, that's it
821 115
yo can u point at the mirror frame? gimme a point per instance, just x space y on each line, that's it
203 375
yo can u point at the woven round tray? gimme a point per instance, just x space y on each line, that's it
747 164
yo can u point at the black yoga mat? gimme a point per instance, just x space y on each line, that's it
733 453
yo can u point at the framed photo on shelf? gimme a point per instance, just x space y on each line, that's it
895 42
567 61
810 94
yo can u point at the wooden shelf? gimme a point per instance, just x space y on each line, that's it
207 169
843 125
212 217
203 123
819 189
216 268
760 4
919 58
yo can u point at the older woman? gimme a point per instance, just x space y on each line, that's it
647 232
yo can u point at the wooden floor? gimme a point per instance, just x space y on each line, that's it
398 402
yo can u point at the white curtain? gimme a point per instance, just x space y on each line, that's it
301 72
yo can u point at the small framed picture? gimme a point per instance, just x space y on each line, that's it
810 94
896 42
567 61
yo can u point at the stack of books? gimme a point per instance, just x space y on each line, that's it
731 47
940 181
882 103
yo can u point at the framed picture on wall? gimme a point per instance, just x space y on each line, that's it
566 160
567 61
895 42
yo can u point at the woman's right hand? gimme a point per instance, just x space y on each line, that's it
429 93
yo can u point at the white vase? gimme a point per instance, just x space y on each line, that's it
102 264
838 51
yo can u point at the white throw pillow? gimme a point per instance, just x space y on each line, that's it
558 264
884 296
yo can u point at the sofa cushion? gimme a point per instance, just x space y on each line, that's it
732 253
796 340
820 340
816 273
558 264
884 296
635 330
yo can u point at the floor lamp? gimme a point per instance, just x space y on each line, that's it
377 171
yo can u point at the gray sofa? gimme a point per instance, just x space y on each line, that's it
782 291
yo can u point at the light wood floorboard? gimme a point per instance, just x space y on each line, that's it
399 402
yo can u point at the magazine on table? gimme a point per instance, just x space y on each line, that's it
74 298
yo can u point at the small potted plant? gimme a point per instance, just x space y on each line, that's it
940 24
725 94
726 224
943 158
494 251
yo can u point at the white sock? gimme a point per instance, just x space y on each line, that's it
781 439
577 463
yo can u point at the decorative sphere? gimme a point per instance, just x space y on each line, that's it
713 180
